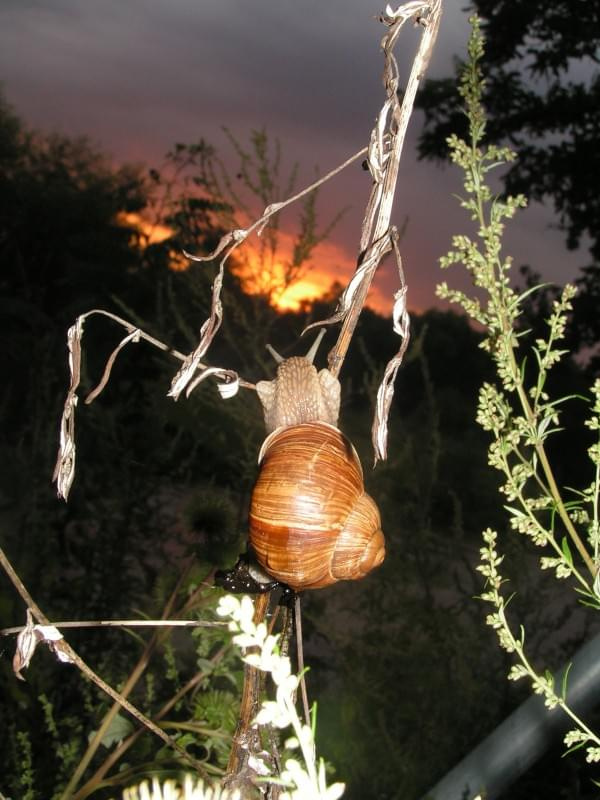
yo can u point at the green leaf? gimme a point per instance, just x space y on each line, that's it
563 688
566 551
572 749
119 728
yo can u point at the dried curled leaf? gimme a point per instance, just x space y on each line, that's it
64 470
134 336
385 392
228 381
28 640
207 333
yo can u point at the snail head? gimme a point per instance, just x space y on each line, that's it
299 393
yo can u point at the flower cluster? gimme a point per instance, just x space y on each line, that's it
303 778
191 789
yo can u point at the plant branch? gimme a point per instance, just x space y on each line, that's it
65 650
124 745
246 739
124 623
387 140
132 680
156 640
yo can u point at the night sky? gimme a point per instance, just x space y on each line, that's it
138 76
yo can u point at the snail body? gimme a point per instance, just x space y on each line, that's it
311 522
299 394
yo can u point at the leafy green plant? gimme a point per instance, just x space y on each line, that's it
303 775
517 410
26 778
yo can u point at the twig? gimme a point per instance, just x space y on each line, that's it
64 470
377 237
125 744
227 245
246 739
133 329
125 623
300 655
387 140
68 653
233 239
130 684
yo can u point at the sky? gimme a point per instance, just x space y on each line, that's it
137 76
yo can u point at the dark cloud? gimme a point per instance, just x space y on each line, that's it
138 76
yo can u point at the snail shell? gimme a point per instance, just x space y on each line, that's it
311 522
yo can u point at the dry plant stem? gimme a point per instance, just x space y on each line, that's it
134 332
133 329
93 783
21 589
246 739
64 470
228 243
291 623
74 658
125 623
157 638
300 655
112 712
376 224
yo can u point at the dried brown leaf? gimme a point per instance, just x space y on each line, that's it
134 336
64 470
28 640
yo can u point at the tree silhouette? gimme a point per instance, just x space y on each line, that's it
542 96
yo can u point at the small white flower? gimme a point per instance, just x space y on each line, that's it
593 754
245 640
574 737
305 781
281 670
228 606
260 634
258 765
271 713
246 613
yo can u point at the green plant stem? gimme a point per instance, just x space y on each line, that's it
134 676
589 562
95 781
537 681
498 300
195 728
595 507
549 475
157 638
71 656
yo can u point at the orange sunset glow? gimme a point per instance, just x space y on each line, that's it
149 232
329 263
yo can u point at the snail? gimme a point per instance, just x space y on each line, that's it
311 522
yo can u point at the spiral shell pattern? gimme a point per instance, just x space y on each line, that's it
311 522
